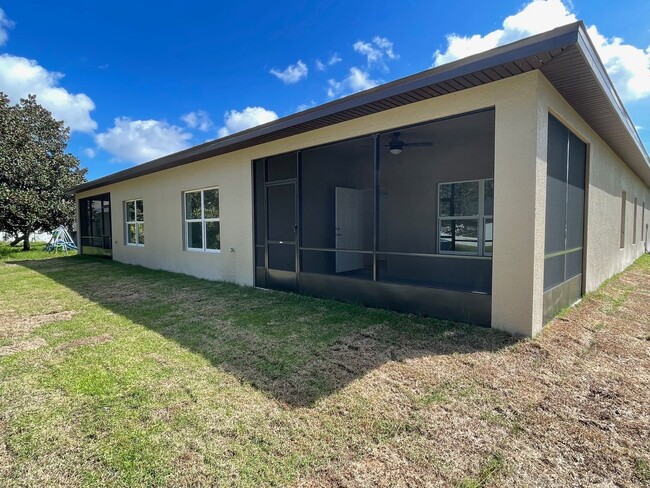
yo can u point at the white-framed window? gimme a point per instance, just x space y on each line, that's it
465 217
134 219
202 222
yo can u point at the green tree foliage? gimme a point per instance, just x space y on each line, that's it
35 170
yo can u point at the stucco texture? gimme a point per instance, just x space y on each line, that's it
521 106
607 177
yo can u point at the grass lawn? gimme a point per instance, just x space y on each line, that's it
116 375
8 253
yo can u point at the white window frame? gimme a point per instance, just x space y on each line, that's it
480 217
136 222
202 220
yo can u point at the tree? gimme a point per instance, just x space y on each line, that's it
35 171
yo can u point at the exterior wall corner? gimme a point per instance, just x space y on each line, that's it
519 201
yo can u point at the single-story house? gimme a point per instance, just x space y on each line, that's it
496 189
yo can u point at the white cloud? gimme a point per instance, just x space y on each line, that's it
627 65
536 17
199 119
292 73
90 152
138 141
5 24
376 51
236 121
333 59
304 106
357 80
20 77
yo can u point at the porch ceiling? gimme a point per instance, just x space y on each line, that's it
564 55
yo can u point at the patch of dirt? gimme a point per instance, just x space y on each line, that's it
13 327
569 408
85 341
22 346
123 291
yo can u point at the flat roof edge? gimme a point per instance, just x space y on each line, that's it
566 36
556 38
588 50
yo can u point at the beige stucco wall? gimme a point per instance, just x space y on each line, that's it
520 172
163 211
516 272
608 176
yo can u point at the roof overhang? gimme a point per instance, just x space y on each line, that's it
564 55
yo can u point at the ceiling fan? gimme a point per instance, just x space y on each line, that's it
396 146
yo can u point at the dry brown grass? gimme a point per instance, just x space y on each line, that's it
13 326
571 408
21 346
85 341
120 376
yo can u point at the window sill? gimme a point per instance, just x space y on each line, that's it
206 251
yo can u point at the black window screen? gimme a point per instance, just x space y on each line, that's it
556 187
442 272
260 214
337 197
282 257
565 200
281 167
553 271
339 263
414 161
95 222
260 220
281 212
368 207
576 192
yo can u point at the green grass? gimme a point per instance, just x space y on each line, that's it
117 375
494 464
642 468
151 372
37 251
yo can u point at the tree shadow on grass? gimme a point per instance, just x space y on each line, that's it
294 348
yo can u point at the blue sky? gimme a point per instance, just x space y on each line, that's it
137 80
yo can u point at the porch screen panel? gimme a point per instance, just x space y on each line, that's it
281 225
95 224
260 221
565 201
106 223
368 218
337 208
281 167
437 271
556 202
575 206
450 156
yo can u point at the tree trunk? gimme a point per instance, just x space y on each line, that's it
15 242
26 244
